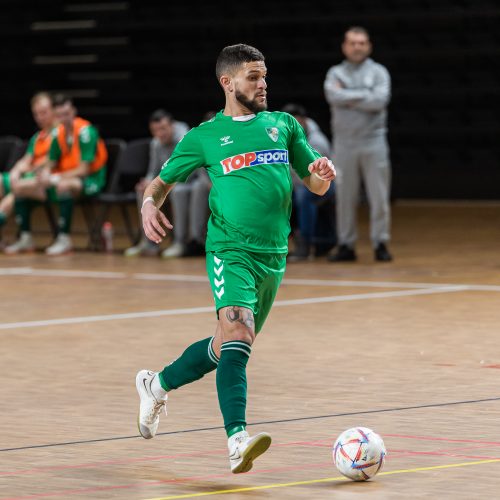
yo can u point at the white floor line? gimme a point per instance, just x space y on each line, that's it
200 310
63 273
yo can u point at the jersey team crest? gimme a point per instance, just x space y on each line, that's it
273 133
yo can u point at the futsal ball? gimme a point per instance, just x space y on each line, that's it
359 453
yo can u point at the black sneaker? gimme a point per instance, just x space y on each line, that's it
343 254
382 253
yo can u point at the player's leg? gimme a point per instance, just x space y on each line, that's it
237 336
250 281
6 198
375 164
23 208
29 186
66 192
196 361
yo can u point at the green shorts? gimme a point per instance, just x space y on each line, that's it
246 279
94 183
6 183
91 185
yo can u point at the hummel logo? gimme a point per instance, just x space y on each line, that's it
226 140
218 268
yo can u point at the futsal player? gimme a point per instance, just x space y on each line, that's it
246 151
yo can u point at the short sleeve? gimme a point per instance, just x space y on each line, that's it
301 152
55 150
187 156
31 145
88 138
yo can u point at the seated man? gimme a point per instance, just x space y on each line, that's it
21 179
166 133
313 227
190 212
190 215
76 167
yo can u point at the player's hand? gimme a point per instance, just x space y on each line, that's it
323 169
154 222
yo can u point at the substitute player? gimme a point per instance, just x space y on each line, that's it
246 151
76 167
21 179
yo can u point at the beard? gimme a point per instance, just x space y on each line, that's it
250 104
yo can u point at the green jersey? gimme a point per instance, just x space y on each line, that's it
248 164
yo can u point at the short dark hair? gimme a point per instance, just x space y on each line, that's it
61 100
295 109
233 56
158 115
357 29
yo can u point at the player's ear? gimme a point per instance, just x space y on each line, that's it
227 83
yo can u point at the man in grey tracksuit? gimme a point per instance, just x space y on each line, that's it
358 91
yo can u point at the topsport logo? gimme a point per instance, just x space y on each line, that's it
253 158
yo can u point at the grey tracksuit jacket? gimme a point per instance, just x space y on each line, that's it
358 95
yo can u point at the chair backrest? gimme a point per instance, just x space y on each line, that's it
131 166
7 144
116 148
16 153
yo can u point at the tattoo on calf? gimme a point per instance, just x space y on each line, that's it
241 315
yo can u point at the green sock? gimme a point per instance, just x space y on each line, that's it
65 214
3 219
232 384
197 360
23 209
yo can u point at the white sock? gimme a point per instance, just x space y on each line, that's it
157 389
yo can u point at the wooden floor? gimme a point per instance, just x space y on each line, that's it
409 349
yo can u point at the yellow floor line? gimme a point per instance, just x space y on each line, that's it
324 480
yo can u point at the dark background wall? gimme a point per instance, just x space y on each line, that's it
122 59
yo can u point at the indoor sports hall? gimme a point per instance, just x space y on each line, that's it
407 348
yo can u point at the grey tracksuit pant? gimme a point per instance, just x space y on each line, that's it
190 208
366 160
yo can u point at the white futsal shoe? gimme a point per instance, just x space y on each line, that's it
23 244
152 403
62 245
243 450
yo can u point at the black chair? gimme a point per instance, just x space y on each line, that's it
9 144
16 153
131 165
115 148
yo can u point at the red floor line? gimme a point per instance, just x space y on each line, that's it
220 451
167 481
448 440
318 465
440 454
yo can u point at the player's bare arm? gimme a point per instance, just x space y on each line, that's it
322 173
153 219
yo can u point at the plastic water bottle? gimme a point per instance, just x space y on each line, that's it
107 236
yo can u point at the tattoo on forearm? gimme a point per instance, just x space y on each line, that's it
158 191
241 315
